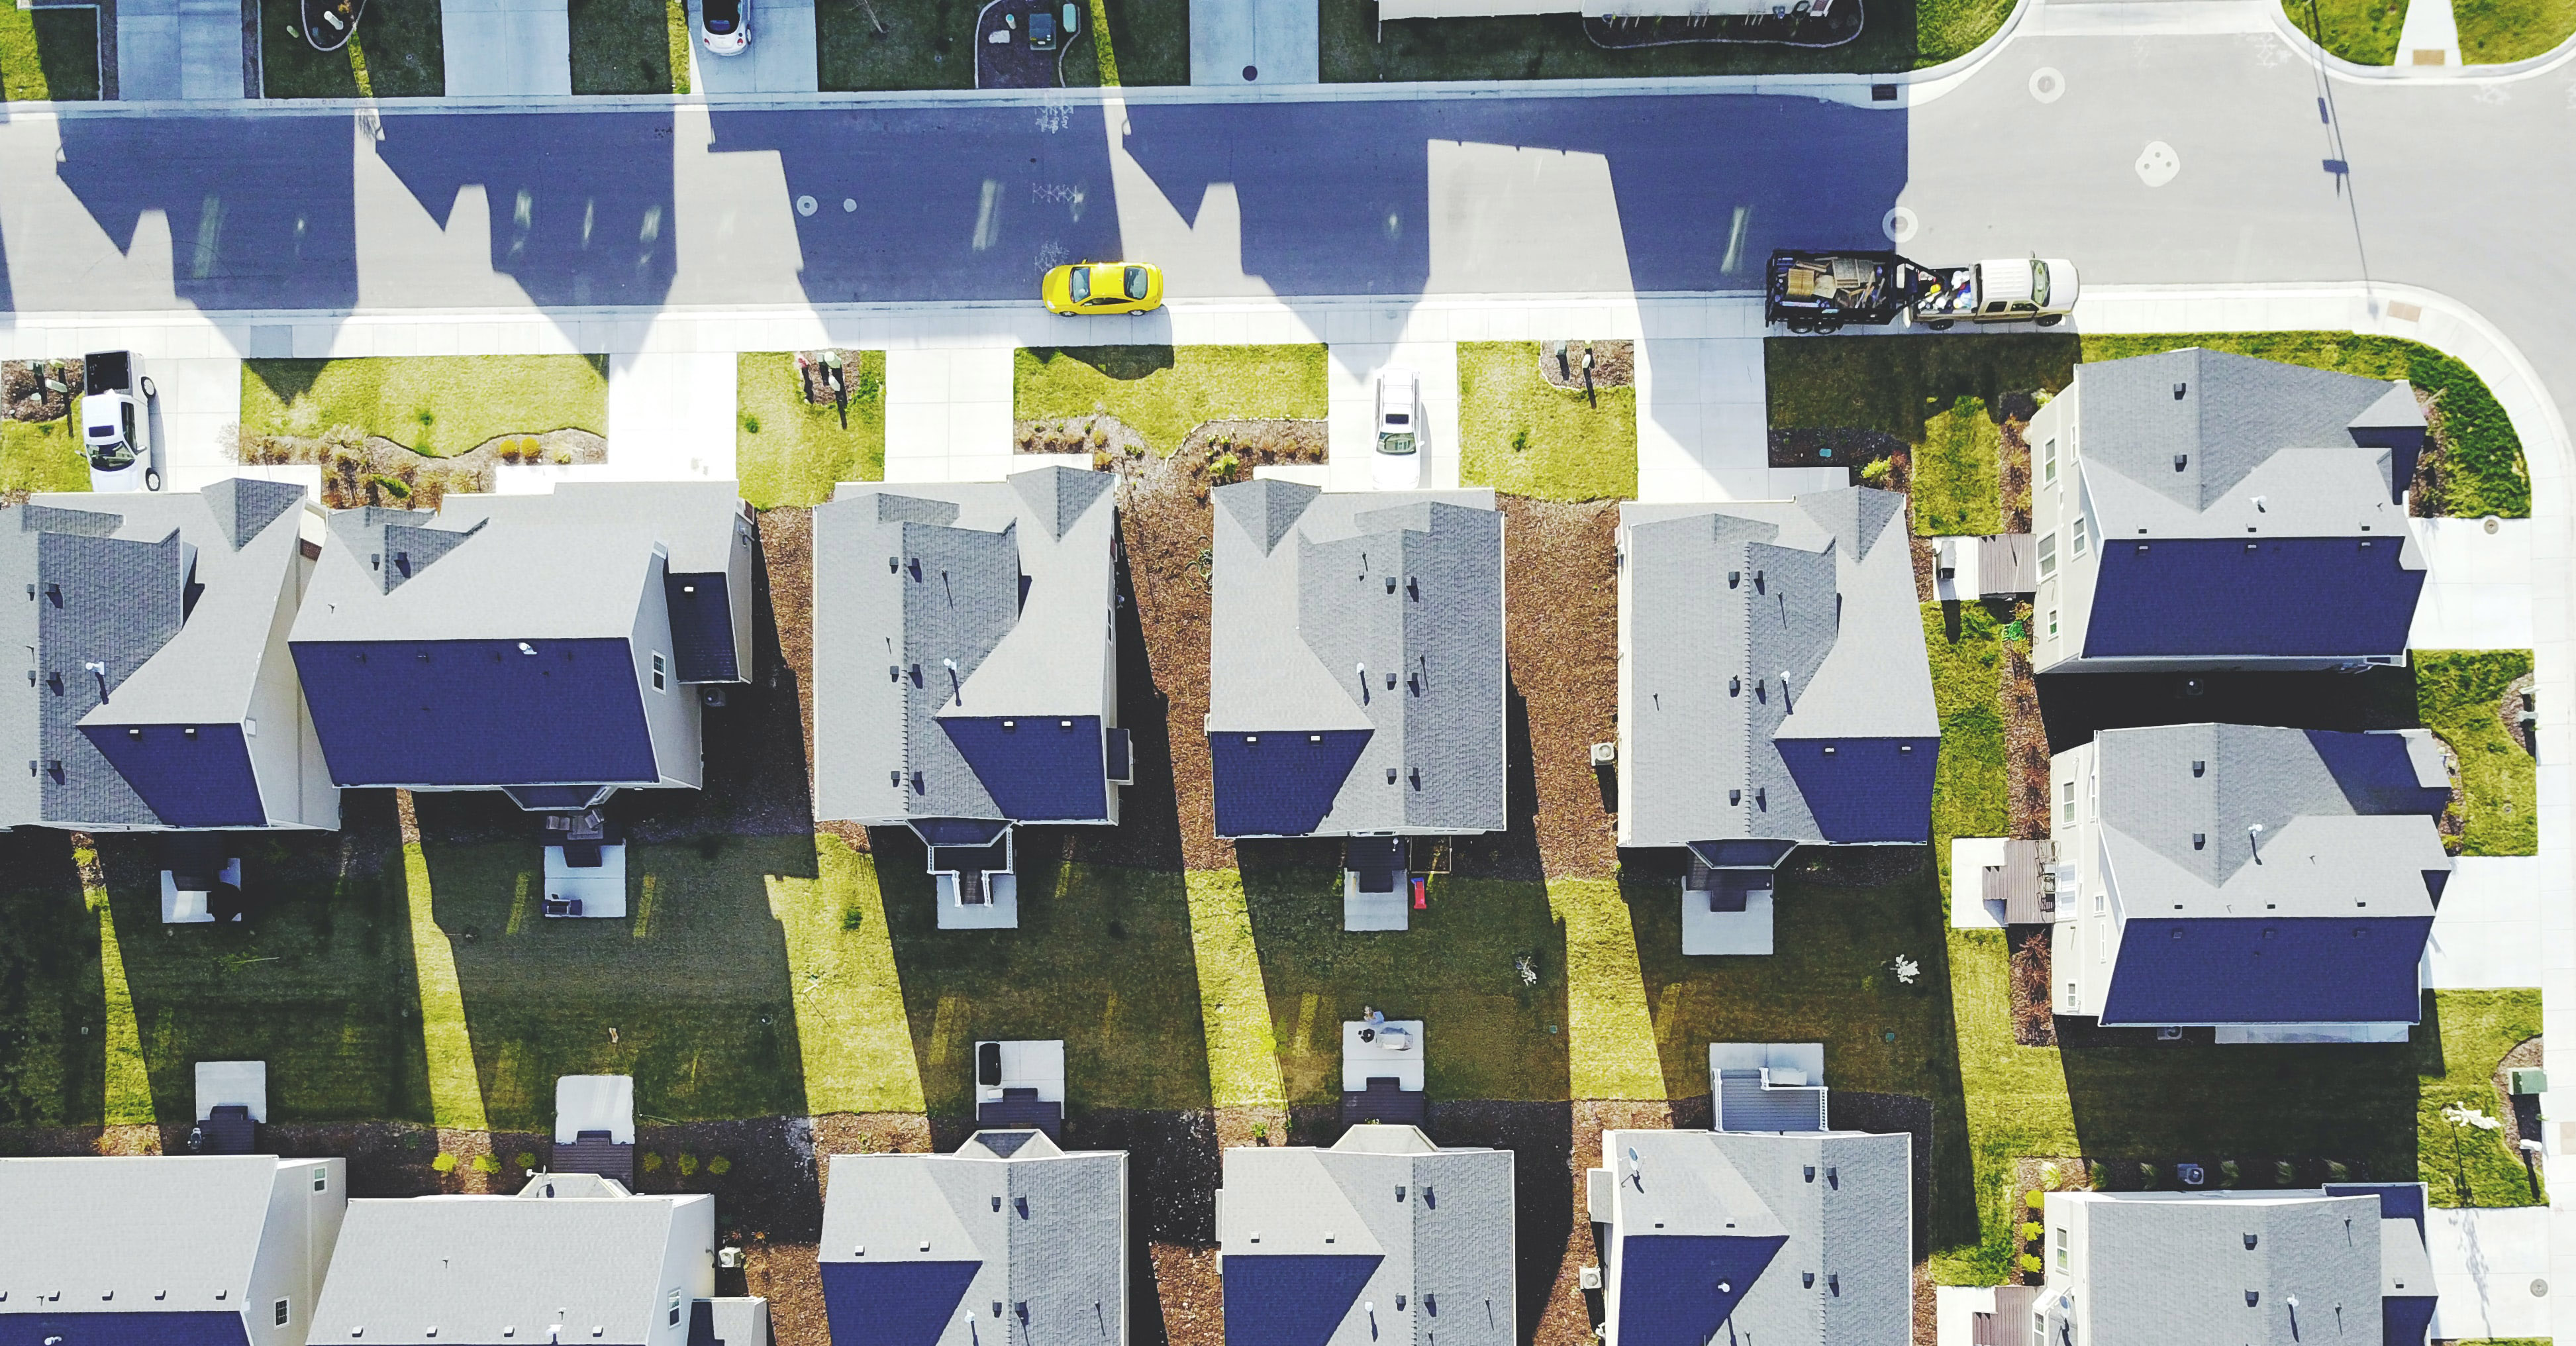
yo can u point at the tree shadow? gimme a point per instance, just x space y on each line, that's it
1125 363
285 379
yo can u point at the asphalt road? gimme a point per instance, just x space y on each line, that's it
2457 187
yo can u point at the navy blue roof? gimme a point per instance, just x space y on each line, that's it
958 831
2232 970
2397 1200
123 1329
1865 789
2280 597
1280 784
204 780
1036 768
2405 1320
477 712
1292 1299
1668 1284
893 1303
701 627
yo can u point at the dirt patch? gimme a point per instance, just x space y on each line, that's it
825 375
28 388
2034 1022
1191 1294
789 1277
1854 449
1561 585
373 470
1614 364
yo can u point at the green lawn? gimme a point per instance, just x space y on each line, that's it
2360 31
2495 31
399 52
1151 39
1522 435
2456 694
622 46
439 405
2469 1033
1899 385
1164 392
1356 48
788 451
1956 472
48 54
42 455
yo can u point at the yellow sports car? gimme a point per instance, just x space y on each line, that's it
1104 287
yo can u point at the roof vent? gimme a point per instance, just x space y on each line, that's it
2249 1243
526 648
1734 578
2252 1297
1735 686
2199 766
2259 506
1807 1279
1736 797
2200 841
2181 461
2180 389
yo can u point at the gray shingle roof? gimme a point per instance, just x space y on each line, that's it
1302 605
571 564
1717 603
1014 584
2243 428
1850 1223
2332 833
470 1266
1449 1235
1048 1228
110 578
2169 1267
132 1227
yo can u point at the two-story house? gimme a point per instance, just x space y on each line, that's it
2196 510
1774 692
2277 884
1383 1236
173 1250
966 669
2346 1262
553 647
1010 1241
573 1258
159 694
1795 1238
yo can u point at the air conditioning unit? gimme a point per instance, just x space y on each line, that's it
1588 1278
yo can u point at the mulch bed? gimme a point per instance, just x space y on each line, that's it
1834 448
2025 737
373 470
24 388
2034 1024
1857 866
2509 714
2521 1110
1614 364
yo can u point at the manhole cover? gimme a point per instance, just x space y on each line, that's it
804 205
1252 72
849 205
2540 1289
2047 85
1899 224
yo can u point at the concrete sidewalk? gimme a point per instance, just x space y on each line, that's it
507 47
179 49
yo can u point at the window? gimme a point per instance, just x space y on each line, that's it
2039 1329
2047 555
281 1314
321 1180
2061 1247
675 1295
2052 623
658 676
2048 461
2079 535
2066 801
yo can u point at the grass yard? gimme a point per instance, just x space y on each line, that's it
1150 40
788 451
2361 31
2464 1036
399 52
2495 31
1164 392
1900 385
1522 435
48 55
622 46
438 405
42 455
1956 471
1896 36
2456 694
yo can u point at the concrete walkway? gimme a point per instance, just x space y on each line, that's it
2486 933
948 414
515 47
2491 1267
2430 39
2477 594
179 49
1238 42
781 58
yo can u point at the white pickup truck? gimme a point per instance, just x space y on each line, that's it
116 424
2031 290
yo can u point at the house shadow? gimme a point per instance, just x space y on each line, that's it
2076 706
52 999
2201 1102
1511 854
1148 834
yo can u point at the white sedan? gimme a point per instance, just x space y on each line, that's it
1396 464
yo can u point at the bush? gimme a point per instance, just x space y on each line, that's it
719 1166
2284 1174
652 1162
2050 1176
2337 1173
2226 1172
2148 1177
1875 472
444 1163
688 1163
2030 1232
526 1160
2030 1262
484 1163
2034 1200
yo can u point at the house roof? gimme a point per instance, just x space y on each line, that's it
435 1269
1724 1228
569 565
132 1234
917 1247
1302 605
2345 819
176 593
1313 1237
1011 581
2266 448
1720 602
2163 1267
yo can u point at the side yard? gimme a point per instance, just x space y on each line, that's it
1162 393
49 55
1524 435
624 46
792 441
2466 697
